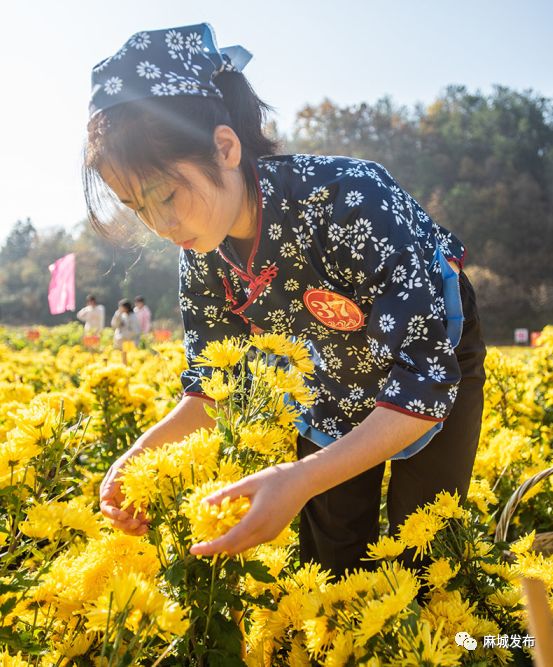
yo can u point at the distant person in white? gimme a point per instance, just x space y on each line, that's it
126 325
143 313
93 315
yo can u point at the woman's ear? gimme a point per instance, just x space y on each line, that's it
229 148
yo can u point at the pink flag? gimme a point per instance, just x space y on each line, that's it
61 290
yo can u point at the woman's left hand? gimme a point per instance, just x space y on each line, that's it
276 495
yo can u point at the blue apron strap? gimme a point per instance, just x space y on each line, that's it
452 300
313 434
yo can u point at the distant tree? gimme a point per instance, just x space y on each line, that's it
146 265
19 242
482 165
24 274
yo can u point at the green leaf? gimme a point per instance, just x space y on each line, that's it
126 659
19 641
7 606
217 660
225 635
210 411
175 572
259 571
522 658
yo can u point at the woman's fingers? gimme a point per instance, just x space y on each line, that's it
111 489
276 495
124 520
114 512
233 542
251 531
233 491
111 499
138 531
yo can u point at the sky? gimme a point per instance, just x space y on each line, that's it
304 50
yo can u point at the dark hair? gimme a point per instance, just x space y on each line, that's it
146 137
90 297
125 303
139 298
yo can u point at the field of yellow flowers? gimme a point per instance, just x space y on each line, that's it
74 591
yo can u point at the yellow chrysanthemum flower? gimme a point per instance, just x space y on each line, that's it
281 345
310 577
419 529
291 382
319 634
447 506
298 656
425 647
503 570
222 354
440 572
524 544
7 660
271 343
265 439
216 387
45 520
57 400
208 521
447 609
166 470
343 651
371 623
481 494
283 381
386 547
100 373
228 471
536 566
76 645
508 597
131 592
173 619
15 458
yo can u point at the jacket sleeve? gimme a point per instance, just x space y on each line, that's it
407 335
405 323
206 317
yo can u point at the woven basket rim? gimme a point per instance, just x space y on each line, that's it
513 502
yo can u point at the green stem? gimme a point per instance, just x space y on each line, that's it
211 594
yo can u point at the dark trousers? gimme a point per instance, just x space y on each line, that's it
336 526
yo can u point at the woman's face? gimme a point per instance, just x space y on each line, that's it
197 215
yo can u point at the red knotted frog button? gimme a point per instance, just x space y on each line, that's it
334 310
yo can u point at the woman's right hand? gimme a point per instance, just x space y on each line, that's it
111 498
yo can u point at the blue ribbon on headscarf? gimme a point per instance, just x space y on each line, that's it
162 63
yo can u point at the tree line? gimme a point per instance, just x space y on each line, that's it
141 267
481 165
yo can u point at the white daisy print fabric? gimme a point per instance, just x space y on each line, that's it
347 260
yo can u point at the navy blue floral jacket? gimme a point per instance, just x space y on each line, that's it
348 260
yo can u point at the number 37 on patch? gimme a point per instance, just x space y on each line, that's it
334 310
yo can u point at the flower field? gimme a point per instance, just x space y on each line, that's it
74 591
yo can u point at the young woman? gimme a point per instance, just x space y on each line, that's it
327 248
